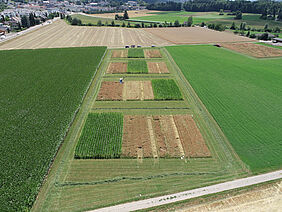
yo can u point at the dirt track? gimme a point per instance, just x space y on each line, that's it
194 35
59 34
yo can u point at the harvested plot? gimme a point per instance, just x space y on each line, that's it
101 136
135 53
192 140
40 95
193 35
166 89
157 68
137 90
119 53
254 50
152 53
110 91
136 137
137 67
117 68
164 136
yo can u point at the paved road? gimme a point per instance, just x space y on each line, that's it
157 201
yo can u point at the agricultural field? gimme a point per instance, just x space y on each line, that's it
152 53
101 136
39 100
243 95
137 67
135 53
166 89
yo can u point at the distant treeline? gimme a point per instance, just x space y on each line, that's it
262 6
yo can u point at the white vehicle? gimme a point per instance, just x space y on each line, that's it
3 37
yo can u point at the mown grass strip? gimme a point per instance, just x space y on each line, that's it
137 67
135 53
166 89
101 136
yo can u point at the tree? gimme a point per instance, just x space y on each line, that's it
25 23
142 25
279 17
277 30
76 21
31 19
176 23
19 26
203 24
233 26
243 26
113 23
123 24
221 12
99 23
264 14
238 15
248 34
128 24
266 28
125 15
190 21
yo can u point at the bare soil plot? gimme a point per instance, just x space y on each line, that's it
59 34
152 53
254 50
119 53
157 68
136 137
193 35
110 91
190 136
137 90
116 68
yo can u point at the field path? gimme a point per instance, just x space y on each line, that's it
189 194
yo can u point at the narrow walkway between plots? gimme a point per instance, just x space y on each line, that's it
162 200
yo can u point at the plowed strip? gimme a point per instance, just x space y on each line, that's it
159 137
157 68
148 90
119 53
190 136
152 53
115 68
110 91
136 136
132 90
152 137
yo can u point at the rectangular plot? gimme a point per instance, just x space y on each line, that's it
132 90
136 137
101 136
147 90
137 67
152 53
119 53
166 89
157 68
135 53
110 91
116 68
190 136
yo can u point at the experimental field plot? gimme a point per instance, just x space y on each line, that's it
135 53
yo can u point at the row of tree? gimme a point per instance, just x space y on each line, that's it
165 6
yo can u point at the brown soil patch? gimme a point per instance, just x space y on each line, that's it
110 91
152 53
136 137
116 68
119 53
190 136
193 35
157 68
137 90
254 50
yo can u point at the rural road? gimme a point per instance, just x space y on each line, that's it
162 200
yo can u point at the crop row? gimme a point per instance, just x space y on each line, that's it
166 89
137 67
101 136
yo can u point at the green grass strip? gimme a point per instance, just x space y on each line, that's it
101 136
135 53
137 67
166 89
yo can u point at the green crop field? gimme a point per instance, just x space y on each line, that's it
135 53
244 95
101 136
41 90
137 67
166 89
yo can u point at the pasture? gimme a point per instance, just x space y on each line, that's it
244 96
40 95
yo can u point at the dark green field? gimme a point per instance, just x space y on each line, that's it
135 53
166 89
41 90
244 96
137 67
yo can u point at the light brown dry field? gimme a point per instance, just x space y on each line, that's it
59 34
120 53
110 91
152 53
162 136
254 50
157 68
260 199
131 14
195 35
117 67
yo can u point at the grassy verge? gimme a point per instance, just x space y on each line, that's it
137 67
